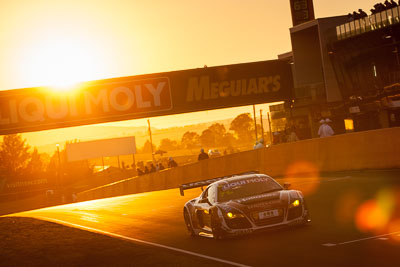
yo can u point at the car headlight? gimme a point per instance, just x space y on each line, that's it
295 203
233 215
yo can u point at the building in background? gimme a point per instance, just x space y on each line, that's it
347 70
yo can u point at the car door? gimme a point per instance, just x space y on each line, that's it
203 207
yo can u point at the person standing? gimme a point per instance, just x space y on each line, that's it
172 163
325 130
161 166
152 168
321 128
203 155
292 137
328 129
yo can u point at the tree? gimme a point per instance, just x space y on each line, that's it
242 126
35 164
14 154
207 138
219 132
168 144
190 140
147 147
229 140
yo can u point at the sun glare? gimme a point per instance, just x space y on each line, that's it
60 63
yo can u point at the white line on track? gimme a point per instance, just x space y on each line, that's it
380 237
140 241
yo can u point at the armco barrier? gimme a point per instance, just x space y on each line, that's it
377 149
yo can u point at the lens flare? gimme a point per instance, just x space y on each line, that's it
308 173
370 217
376 215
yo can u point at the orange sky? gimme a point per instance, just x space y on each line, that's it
48 42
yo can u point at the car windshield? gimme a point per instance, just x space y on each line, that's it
246 187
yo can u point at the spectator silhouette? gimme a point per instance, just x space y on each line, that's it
152 168
161 166
202 155
362 13
356 15
379 7
172 163
350 17
139 171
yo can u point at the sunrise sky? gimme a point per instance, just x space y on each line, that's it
57 42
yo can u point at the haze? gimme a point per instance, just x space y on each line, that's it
57 43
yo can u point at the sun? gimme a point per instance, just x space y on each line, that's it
61 62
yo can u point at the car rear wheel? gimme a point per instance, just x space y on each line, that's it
188 223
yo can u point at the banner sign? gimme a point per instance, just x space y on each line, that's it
143 96
302 11
101 148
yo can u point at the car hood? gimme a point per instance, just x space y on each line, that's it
259 202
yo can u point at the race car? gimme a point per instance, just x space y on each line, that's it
242 204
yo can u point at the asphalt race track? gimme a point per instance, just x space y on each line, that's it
355 222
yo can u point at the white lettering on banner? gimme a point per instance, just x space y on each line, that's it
129 96
139 99
200 88
31 109
101 97
13 111
105 101
156 92
72 106
62 110
4 120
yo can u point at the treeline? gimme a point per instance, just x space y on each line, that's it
241 132
21 166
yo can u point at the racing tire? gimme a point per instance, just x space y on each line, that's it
307 219
218 233
188 223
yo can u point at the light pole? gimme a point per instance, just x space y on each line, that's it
59 165
151 142
255 121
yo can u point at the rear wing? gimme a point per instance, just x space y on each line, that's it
208 181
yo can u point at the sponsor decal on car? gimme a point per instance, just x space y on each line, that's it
230 185
264 204
257 197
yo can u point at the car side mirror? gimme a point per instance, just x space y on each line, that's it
204 200
286 185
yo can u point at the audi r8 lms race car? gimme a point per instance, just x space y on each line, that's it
242 204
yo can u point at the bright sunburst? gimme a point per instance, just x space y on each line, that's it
62 62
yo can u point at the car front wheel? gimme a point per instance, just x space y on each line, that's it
217 232
188 223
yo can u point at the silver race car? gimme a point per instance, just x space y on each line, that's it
242 204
